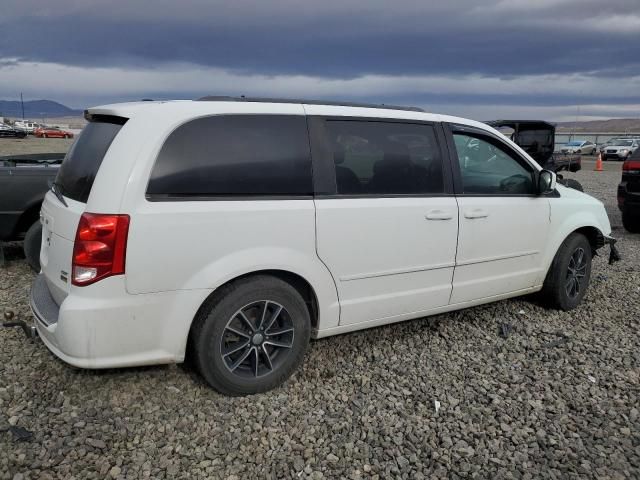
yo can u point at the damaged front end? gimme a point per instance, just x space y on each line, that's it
614 254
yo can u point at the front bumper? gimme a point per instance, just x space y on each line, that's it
103 326
614 156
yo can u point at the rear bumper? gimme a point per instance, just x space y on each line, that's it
105 327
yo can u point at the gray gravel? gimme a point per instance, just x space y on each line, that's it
557 398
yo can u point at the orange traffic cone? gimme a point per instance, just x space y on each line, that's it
599 163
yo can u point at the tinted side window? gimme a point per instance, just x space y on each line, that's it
488 169
231 155
82 162
385 157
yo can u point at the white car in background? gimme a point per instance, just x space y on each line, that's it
580 147
233 230
620 149
27 126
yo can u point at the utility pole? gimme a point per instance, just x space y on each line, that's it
22 103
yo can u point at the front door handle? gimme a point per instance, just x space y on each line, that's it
476 213
438 215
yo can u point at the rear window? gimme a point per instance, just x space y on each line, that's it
82 162
234 155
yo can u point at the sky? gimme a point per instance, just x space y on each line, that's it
549 59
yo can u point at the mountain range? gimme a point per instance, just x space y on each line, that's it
35 109
631 125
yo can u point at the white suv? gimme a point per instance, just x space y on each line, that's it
230 231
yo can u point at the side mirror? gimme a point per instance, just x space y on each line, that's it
546 182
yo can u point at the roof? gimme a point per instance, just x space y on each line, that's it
242 98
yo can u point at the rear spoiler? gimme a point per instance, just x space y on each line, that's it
99 117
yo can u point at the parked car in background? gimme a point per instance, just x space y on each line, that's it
629 193
52 132
24 180
580 147
9 132
608 143
621 149
233 230
27 126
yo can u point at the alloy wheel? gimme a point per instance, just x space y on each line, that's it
257 339
576 273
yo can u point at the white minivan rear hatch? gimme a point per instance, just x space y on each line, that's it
66 201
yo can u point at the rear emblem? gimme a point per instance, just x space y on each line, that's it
63 276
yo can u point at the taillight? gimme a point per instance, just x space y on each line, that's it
630 165
100 247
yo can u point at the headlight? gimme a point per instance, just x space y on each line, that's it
623 151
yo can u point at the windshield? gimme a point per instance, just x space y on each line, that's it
82 162
624 143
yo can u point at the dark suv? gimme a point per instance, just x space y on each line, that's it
24 180
629 193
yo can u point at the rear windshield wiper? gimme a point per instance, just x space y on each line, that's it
56 188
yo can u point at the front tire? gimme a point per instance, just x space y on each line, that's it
31 245
568 277
251 335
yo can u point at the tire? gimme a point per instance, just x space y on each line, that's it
65 136
31 245
559 290
226 359
44 135
630 222
593 152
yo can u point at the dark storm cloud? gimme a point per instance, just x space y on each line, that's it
341 40
502 38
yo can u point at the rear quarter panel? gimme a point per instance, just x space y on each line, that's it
202 245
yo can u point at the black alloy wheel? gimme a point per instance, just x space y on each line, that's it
257 339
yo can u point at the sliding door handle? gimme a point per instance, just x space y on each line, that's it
476 213
438 215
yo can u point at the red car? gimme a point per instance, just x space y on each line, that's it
52 132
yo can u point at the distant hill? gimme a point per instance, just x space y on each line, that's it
620 125
34 109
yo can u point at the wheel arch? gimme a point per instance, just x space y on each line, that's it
593 234
297 281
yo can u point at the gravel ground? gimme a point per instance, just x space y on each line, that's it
31 144
557 398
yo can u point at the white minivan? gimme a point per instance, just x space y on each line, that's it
231 230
